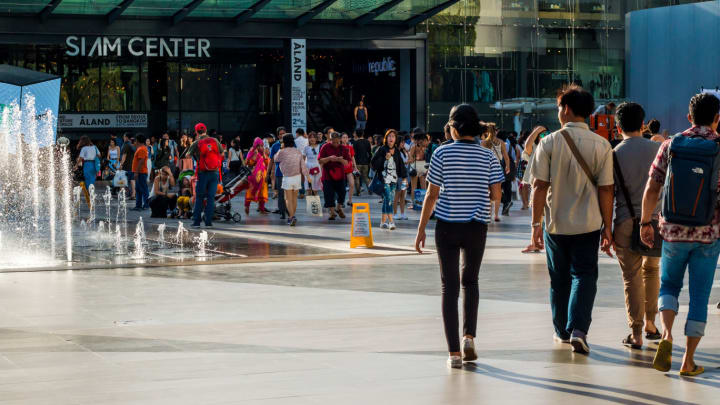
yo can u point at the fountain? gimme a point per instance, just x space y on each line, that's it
180 236
91 192
161 235
119 242
107 199
139 241
201 243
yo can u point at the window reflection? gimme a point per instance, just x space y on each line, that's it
120 86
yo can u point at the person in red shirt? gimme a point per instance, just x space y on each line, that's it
140 168
333 158
349 167
208 153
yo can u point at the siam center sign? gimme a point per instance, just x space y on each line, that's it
138 46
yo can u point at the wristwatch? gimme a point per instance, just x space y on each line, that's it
645 224
536 224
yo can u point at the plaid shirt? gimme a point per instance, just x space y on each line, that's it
681 233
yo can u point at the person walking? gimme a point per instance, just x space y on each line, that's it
140 170
126 162
530 145
301 142
693 247
633 158
573 173
87 159
349 167
361 116
311 152
462 180
293 167
333 158
257 186
208 153
497 146
276 174
113 155
363 156
388 163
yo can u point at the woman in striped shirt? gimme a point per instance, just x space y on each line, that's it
463 178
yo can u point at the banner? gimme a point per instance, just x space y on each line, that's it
298 89
361 228
100 121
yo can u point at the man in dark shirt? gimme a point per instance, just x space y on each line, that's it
362 161
126 158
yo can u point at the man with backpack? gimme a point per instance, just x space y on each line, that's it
208 153
689 225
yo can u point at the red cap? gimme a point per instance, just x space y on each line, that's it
200 127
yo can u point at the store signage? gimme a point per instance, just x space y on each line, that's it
298 88
385 65
138 46
100 121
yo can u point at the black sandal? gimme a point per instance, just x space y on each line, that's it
653 335
629 343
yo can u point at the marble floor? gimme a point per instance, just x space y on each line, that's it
361 329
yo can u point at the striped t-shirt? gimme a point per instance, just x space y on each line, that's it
464 171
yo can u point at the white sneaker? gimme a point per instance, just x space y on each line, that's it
392 226
558 339
404 217
454 362
383 226
468 349
397 217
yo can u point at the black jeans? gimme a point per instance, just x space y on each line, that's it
507 191
160 204
282 207
452 239
334 192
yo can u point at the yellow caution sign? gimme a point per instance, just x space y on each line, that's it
361 229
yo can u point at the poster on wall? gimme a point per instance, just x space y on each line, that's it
298 96
100 121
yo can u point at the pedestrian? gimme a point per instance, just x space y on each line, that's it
163 154
350 167
362 161
258 161
113 155
418 164
388 163
654 128
530 145
126 162
140 170
689 225
310 153
87 159
276 175
469 176
162 199
235 158
507 187
301 142
293 168
207 152
361 116
400 202
641 274
575 167
333 158
492 142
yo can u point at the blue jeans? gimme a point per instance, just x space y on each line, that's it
141 191
206 188
573 265
700 259
89 173
388 198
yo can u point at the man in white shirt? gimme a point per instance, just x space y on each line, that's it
301 142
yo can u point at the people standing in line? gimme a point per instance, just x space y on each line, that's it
350 168
634 156
695 248
497 146
257 186
293 168
276 174
573 173
462 180
162 199
207 152
363 155
140 170
113 155
301 142
333 158
528 153
310 153
126 162
361 116
87 159
388 163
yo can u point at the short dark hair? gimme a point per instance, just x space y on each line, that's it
703 108
654 126
128 135
630 117
580 101
140 137
288 141
300 131
464 118
327 129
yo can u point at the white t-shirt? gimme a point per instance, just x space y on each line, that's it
88 153
312 156
234 155
301 142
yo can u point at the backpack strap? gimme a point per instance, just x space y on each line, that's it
623 187
578 156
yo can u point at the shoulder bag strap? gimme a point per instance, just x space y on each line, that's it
623 187
578 156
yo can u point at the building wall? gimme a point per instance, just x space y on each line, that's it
671 53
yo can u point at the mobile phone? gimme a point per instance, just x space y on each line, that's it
544 134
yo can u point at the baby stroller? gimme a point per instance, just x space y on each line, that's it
231 188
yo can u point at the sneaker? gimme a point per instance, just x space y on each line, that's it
558 339
397 217
289 221
579 345
468 349
208 225
454 362
392 226
404 217
383 225
293 221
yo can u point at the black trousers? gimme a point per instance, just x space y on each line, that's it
282 207
160 204
454 240
507 191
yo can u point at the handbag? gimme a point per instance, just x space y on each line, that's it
314 171
377 186
412 172
314 206
636 244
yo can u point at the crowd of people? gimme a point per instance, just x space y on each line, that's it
660 215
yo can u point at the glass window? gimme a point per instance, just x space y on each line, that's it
120 87
86 7
238 86
80 86
349 9
199 87
155 7
173 95
221 8
286 8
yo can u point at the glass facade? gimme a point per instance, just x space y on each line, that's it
510 56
